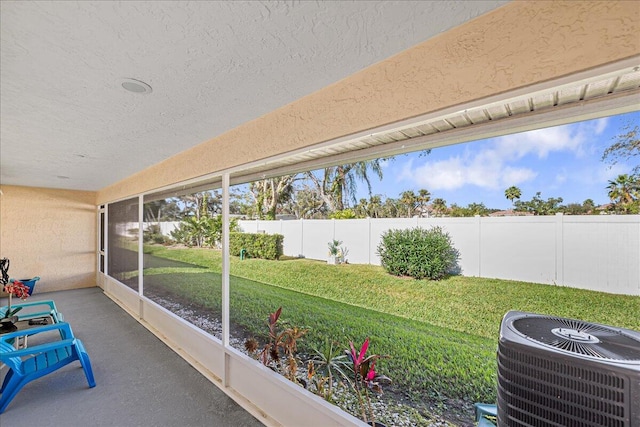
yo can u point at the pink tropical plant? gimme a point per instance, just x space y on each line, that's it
365 378
280 352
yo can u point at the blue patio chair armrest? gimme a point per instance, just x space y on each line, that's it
37 349
50 303
63 327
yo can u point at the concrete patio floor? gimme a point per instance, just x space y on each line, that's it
140 381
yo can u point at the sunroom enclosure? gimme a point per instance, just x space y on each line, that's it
522 66
212 353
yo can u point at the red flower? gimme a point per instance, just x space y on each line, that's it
18 289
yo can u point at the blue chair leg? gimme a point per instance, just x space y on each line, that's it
13 386
86 363
6 380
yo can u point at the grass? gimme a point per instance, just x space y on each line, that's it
465 304
424 357
442 335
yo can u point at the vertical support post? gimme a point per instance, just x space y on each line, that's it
140 245
106 239
140 254
225 260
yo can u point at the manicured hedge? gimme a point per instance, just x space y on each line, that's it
256 245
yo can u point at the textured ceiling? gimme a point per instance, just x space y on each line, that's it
66 122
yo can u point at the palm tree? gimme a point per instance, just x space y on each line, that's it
338 184
423 198
439 206
391 208
512 193
375 206
369 208
624 191
409 200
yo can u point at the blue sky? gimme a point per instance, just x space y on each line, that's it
562 161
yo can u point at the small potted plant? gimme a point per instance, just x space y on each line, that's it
21 291
335 252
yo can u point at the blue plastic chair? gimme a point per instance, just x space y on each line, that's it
35 362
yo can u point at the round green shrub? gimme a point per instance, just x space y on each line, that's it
418 253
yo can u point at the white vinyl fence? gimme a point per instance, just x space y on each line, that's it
590 252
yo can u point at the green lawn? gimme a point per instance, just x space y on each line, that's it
466 304
442 335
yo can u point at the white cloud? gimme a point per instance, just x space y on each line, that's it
483 170
541 142
515 176
495 167
599 125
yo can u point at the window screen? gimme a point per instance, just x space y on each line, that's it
122 256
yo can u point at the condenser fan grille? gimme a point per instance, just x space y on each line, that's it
579 337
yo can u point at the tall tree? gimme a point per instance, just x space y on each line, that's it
625 147
305 204
270 193
204 202
512 193
162 210
337 185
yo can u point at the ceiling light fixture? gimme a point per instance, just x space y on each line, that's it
135 86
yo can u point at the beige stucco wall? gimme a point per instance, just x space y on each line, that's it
51 234
515 46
